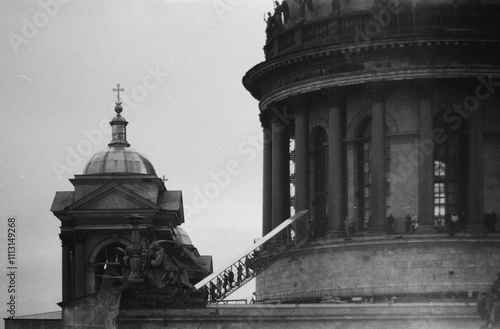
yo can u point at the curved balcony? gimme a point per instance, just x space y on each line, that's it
359 28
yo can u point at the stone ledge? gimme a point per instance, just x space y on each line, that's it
415 315
417 239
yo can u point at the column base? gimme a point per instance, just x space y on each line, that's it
475 228
335 234
377 230
135 284
425 229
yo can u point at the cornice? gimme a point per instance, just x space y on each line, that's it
387 75
335 53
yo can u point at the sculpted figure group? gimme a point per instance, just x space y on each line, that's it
275 22
164 264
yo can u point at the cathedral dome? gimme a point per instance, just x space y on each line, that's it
119 159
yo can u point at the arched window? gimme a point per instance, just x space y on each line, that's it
108 266
364 175
450 171
320 174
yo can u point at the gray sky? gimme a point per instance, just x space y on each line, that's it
181 64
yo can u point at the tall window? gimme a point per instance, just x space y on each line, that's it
108 264
320 181
450 171
364 176
292 176
439 191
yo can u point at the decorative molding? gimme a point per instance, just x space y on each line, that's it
107 190
388 75
317 122
352 128
337 53
353 125
406 138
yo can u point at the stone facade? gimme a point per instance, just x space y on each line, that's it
399 100
382 268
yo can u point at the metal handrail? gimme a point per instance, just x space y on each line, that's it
290 234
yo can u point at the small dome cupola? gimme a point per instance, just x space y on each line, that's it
119 157
118 124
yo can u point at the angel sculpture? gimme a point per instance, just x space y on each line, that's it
270 25
281 14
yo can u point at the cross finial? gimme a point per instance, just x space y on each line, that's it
164 179
118 93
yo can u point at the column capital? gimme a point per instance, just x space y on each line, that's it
425 88
66 239
265 120
80 237
298 102
377 90
281 114
332 96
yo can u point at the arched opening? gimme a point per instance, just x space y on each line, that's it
108 266
450 173
320 180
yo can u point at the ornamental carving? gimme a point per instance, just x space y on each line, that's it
163 275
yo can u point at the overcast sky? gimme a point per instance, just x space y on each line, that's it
181 64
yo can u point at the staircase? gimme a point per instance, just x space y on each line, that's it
290 234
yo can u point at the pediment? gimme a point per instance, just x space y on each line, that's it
112 197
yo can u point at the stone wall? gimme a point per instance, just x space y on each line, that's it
377 266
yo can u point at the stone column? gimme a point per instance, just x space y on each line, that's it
426 158
73 285
79 265
267 187
66 243
280 170
90 270
336 160
474 219
301 153
377 155
135 252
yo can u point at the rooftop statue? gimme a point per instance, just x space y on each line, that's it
276 21
163 268
166 264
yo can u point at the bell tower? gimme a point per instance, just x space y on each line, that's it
116 183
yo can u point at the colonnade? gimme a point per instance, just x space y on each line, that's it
276 183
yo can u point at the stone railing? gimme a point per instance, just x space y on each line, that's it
362 27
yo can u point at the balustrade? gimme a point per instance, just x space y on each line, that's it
364 26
